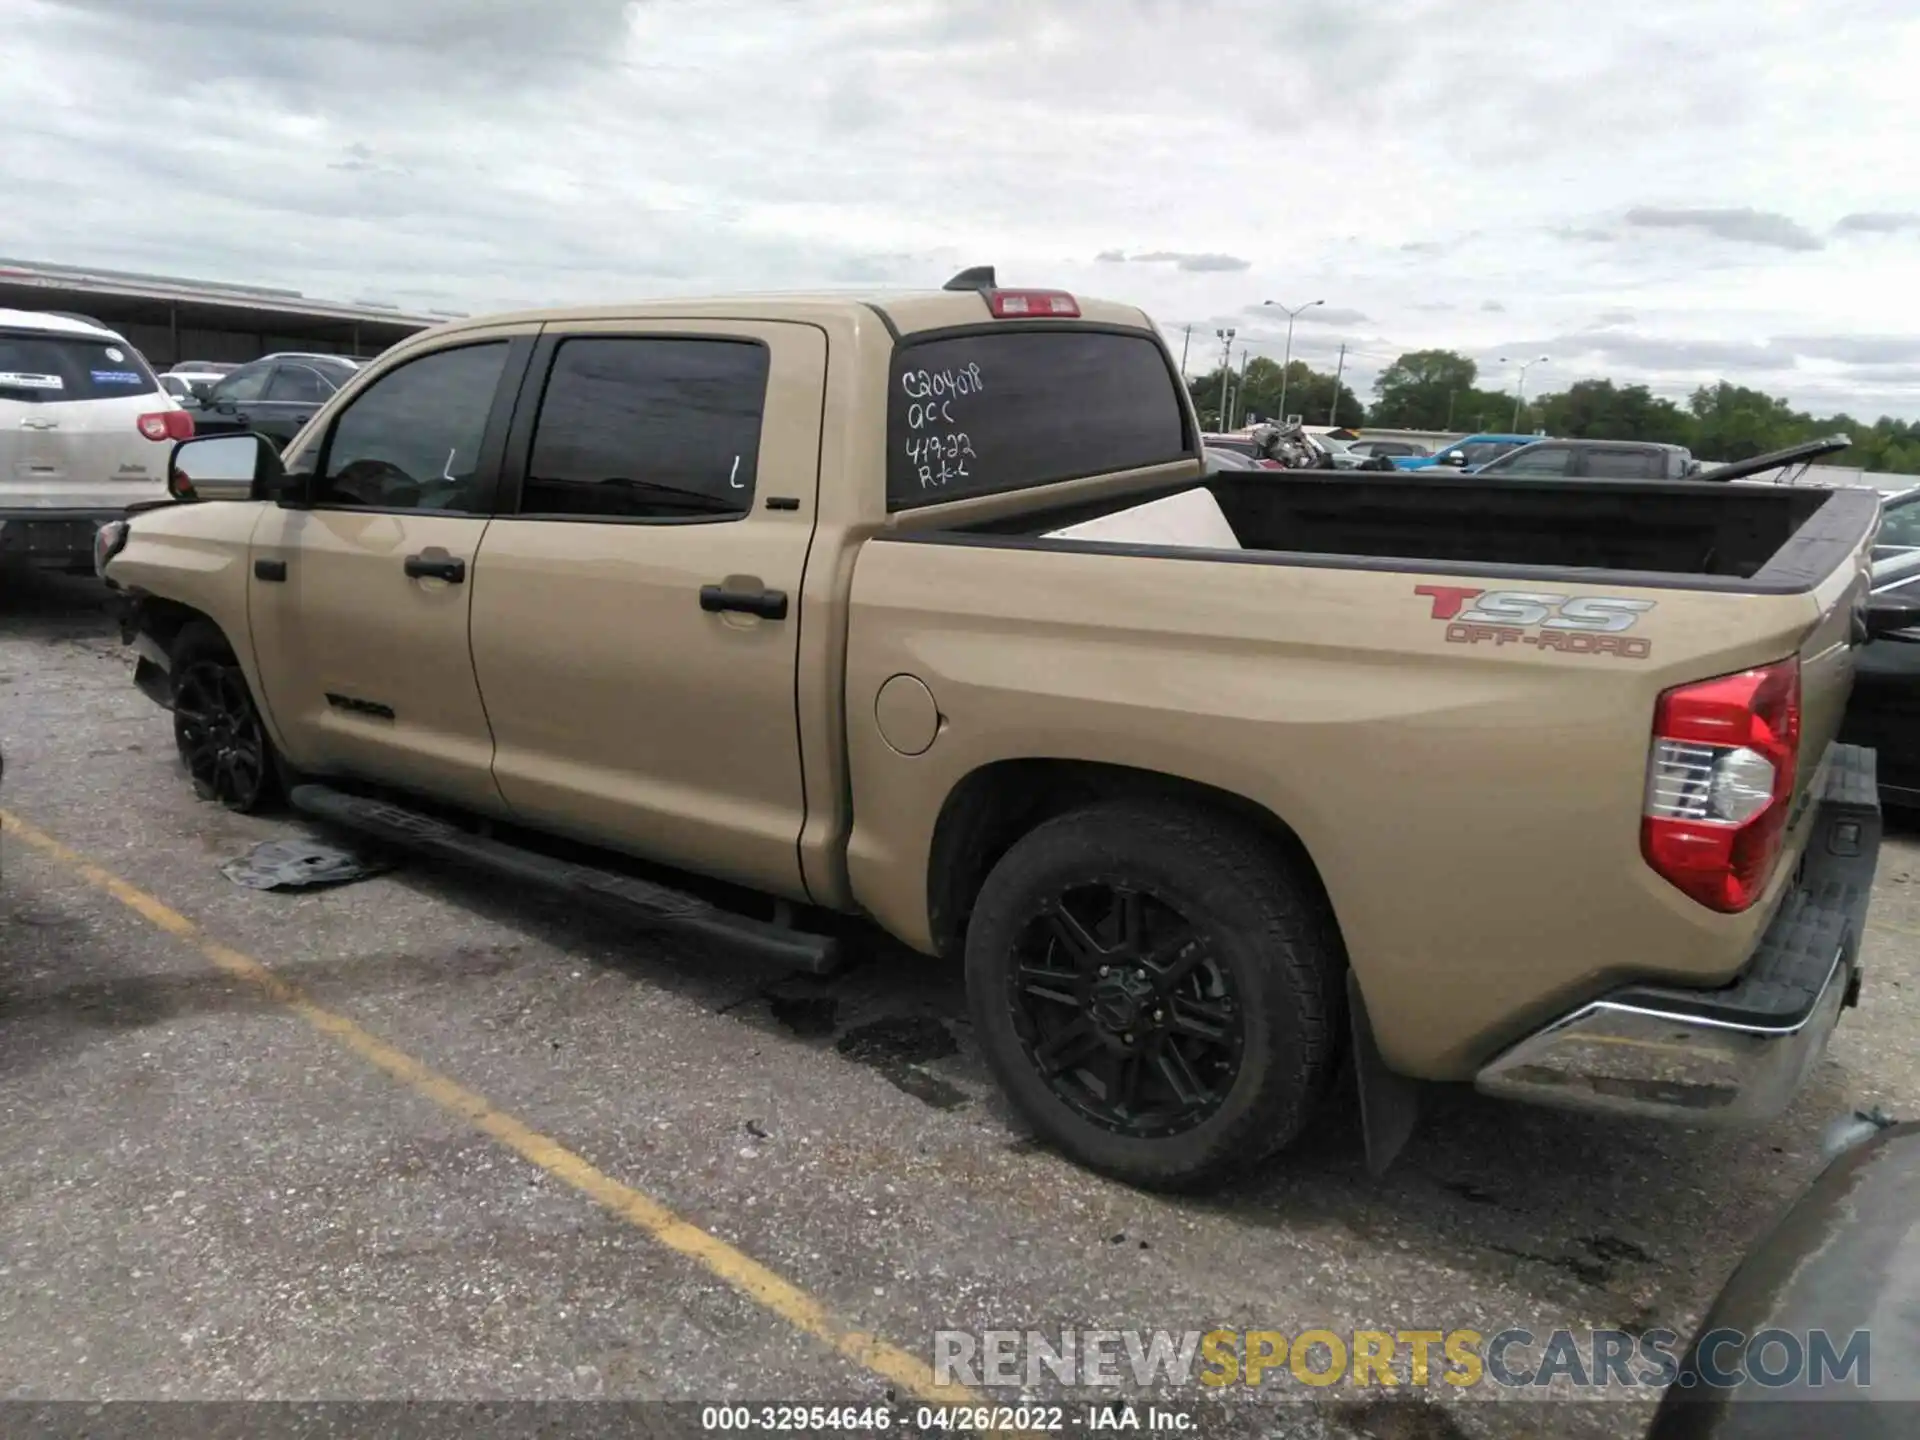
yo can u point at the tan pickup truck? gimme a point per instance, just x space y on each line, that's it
920 610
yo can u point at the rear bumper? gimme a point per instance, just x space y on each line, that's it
1742 1051
49 535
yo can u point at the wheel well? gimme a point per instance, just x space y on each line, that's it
990 810
165 619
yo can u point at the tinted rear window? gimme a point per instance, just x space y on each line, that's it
983 413
35 366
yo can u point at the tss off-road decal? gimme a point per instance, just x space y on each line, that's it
1572 624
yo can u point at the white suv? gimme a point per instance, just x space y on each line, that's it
85 431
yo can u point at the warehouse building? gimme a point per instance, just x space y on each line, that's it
170 319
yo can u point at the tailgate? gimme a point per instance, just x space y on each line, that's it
79 453
1826 663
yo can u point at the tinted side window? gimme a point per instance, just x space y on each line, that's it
1547 460
1900 526
249 383
989 412
1484 451
411 440
298 383
1626 464
648 429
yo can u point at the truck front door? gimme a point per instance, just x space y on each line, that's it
636 604
359 601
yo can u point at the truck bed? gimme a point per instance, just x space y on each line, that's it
1749 538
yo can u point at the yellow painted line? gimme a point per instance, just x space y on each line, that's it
738 1269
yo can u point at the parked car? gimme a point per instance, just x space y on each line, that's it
85 430
274 395
1220 458
198 376
1245 446
1392 449
1834 1281
1339 454
1596 460
1211 779
1467 454
1334 452
1899 525
1884 710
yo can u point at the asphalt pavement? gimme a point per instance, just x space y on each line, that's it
420 1137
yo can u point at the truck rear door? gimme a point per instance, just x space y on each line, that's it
636 602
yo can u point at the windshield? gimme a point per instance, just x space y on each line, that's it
1479 452
39 367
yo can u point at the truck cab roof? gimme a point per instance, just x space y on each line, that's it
902 312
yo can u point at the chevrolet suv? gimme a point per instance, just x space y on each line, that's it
85 430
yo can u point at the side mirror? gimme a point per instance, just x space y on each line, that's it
1453 457
224 467
1888 615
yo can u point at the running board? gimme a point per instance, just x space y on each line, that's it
660 907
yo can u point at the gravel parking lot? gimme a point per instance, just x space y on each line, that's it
493 1148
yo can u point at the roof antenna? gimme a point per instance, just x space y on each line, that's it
976 277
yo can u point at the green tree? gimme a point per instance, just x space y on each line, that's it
1310 394
1422 390
1600 410
1736 423
1437 390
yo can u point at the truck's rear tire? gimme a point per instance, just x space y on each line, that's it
217 727
1156 991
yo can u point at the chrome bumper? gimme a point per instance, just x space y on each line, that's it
1635 1060
1742 1051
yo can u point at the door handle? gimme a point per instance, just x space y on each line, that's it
433 563
767 604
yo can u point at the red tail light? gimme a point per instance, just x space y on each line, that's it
1719 783
1032 304
167 425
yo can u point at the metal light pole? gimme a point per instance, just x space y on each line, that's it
1287 364
1226 368
1240 385
1520 393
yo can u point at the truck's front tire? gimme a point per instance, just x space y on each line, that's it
1156 991
217 727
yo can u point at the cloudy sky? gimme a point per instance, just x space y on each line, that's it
1667 191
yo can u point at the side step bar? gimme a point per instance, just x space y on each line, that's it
658 906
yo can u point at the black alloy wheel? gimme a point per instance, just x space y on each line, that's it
1157 989
1121 1006
219 734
